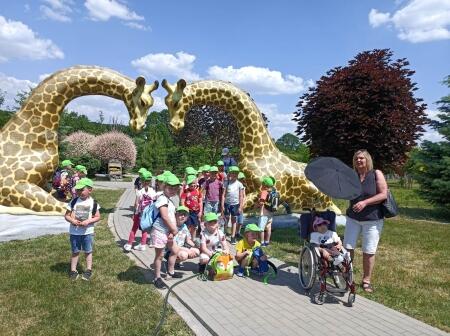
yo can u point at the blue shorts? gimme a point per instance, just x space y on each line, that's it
264 221
193 219
82 242
231 210
212 207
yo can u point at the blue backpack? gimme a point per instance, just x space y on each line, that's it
148 217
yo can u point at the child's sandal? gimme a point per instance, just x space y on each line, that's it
367 287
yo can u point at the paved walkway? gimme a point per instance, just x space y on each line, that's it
247 306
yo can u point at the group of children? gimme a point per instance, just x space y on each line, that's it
191 215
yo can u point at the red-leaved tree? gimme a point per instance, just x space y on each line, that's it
369 104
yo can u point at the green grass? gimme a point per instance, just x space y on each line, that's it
37 298
412 270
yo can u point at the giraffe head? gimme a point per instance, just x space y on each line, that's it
140 102
173 102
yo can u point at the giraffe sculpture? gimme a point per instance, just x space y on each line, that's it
258 154
29 140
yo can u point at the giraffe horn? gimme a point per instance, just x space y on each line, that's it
165 84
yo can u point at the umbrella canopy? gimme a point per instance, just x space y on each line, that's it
334 178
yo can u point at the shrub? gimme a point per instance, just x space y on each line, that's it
79 143
115 145
91 163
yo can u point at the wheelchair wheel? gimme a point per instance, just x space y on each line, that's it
351 299
307 268
319 298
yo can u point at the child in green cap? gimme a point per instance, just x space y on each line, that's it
266 211
80 172
138 180
232 200
192 198
82 212
61 180
245 246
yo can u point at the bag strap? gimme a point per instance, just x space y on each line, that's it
73 202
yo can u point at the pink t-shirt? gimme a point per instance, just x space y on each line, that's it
213 190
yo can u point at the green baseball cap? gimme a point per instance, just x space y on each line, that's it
211 216
190 179
190 171
233 169
213 169
220 163
182 208
206 168
252 228
172 180
241 175
141 170
146 175
268 181
84 182
200 169
167 173
81 168
66 163
161 178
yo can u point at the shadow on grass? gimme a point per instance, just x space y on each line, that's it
130 208
436 214
138 275
62 267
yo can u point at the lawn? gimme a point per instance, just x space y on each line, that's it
412 272
37 298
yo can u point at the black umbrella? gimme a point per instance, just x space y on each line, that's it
334 178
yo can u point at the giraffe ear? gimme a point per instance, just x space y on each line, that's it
181 84
140 81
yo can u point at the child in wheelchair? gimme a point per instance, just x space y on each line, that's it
328 243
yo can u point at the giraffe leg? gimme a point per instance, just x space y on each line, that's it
32 197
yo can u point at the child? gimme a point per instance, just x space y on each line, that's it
211 238
192 199
62 179
240 219
221 174
82 212
164 227
213 189
144 198
232 200
328 242
138 180
265 213
179 251
245 246
80 172
205 175
187 171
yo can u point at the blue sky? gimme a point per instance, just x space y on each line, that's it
273 49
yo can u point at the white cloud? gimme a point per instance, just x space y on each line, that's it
418 21
163 65
90 106
279 122
17 40
57 10
43 76
431 134
138 26
260 80
12 86
103 10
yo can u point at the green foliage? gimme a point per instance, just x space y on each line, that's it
2 97
91 163
4 117
291 145
431 163
20 98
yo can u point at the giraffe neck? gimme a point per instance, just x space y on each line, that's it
40 114
255 140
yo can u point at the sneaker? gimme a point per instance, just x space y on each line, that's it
73 275
238 236
233 241
159 283
127 247
87 275
140 247
175 275
240 274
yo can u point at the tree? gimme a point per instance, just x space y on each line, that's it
114 145
291 145
367 104
431 163
21 97
288 141
2 97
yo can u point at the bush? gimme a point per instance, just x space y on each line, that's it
79 144
91 163
115 145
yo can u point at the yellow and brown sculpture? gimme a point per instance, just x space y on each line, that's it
258 154
29 141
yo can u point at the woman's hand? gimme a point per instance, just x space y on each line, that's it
358 207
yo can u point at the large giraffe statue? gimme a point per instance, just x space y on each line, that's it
258 154
29 140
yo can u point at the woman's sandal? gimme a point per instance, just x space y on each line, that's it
367 287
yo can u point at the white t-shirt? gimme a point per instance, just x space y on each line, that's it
212 240
145 197
159 223
82 210
232 192
328 237
182 235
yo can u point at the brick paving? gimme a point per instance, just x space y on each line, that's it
247 306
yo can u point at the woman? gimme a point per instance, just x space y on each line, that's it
364 214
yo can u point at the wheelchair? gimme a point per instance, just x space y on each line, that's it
313 266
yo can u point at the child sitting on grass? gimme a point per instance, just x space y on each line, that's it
245 246
211 239
183 247
82 212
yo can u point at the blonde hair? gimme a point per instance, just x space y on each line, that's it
365 153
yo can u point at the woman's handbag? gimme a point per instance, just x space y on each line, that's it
389 206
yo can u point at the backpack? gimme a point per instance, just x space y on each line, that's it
273 200
220 267
56 179
94 208
148 217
